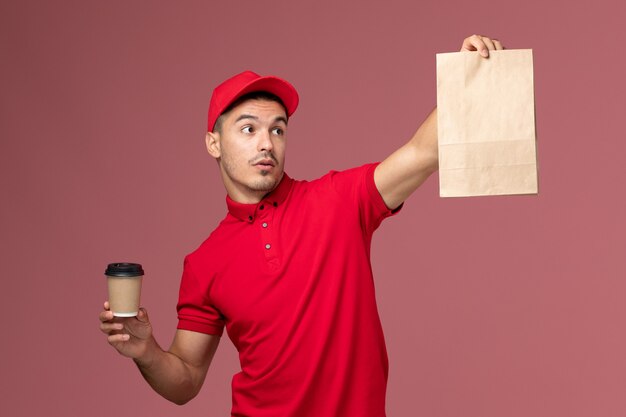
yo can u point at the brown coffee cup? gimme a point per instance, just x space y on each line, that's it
124 282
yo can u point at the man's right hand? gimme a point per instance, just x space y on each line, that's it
176 374
131 336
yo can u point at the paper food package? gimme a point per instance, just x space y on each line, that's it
486 123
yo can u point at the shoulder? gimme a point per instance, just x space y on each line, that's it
341 178
210 249
355 181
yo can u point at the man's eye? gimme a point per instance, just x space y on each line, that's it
247 129
277 131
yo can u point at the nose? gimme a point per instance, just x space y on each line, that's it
265 141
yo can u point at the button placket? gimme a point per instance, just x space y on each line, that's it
265 238
265 216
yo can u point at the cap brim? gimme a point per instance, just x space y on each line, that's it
274 85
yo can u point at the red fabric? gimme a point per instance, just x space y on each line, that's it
302 314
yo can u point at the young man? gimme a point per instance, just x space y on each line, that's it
287 272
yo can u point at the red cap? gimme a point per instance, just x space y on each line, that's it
247 82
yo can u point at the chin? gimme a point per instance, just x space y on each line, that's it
266 182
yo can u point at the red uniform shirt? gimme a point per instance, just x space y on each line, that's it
290 279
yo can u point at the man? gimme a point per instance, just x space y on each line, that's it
287 272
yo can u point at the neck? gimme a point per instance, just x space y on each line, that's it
246 198
244 194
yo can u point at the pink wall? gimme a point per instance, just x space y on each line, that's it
501 306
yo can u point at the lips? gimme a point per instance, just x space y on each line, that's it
265 163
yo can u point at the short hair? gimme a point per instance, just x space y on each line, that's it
255 95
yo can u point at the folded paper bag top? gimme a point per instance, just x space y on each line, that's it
486 124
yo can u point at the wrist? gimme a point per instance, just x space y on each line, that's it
146 358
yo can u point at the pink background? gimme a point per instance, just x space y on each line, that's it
497 306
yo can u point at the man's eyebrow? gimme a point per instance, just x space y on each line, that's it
281 119
249 116
246 116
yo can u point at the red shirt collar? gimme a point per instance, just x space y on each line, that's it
247 212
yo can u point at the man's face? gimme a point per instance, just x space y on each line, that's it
251 149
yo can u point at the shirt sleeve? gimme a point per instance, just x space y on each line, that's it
195 312
357 185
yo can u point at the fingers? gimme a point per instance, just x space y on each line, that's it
475 43
114 330
106 315
107 324
488 43
482 44
117 338
108 327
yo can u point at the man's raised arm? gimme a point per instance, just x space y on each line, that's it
407 168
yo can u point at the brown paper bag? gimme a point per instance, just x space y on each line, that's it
486 123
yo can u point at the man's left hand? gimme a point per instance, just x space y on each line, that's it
482 44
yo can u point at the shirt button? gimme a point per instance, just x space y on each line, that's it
275 204
250 218
267 246
261 207
264 224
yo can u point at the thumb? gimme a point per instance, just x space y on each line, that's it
142 315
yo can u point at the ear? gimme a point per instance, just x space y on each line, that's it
213 145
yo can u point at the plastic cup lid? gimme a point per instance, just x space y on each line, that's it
124 269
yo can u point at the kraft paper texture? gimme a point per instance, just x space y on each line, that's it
486 123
